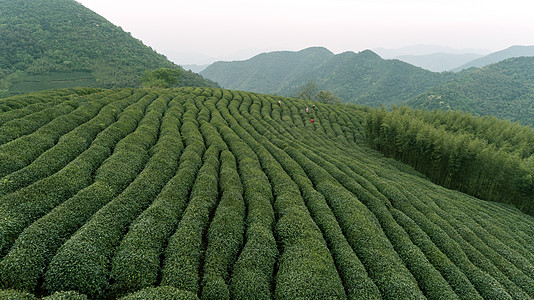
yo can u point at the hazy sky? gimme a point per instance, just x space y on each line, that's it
201 31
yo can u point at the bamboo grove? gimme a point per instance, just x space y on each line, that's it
204 193
482 156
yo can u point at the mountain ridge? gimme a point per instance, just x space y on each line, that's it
362 78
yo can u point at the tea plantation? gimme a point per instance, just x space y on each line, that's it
204 193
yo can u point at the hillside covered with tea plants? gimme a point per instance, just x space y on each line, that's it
215 194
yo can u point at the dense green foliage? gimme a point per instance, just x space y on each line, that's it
504 90
205 193
328 97
160 78
484 157
59 43
309 92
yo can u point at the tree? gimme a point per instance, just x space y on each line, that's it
308 91
328 97
161 78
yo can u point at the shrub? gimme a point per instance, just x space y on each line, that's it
16 295
27 110
430 281
304 251
70 295
161 293
485 285
254 267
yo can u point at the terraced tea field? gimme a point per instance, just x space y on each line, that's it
215 194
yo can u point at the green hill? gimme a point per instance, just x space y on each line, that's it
269 72
362 78
504 90
60 43
511 52
207 193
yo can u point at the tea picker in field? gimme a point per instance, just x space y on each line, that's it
306 109
279 103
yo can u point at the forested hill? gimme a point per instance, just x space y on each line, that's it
362 78
50 43
504 90
217 194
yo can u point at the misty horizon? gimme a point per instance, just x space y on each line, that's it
204 31
386 53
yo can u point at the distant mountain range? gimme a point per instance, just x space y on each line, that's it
439 59
504 89
514 51
439 62
60 43
432 57
195 68
363 77
425 50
